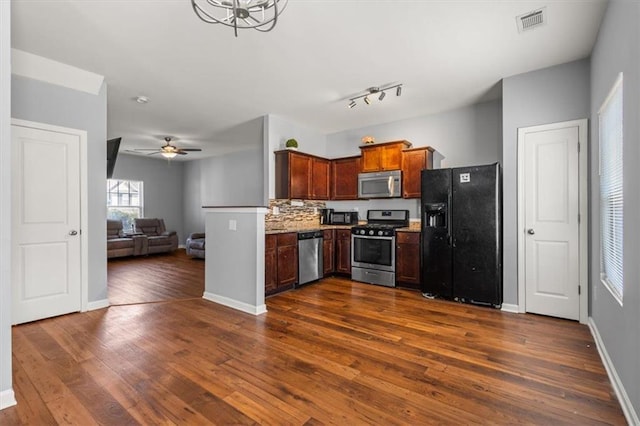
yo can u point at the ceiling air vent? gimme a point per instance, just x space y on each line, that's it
531 20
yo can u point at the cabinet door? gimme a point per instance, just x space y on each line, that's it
391 157
300 176
344 178
270 265
371 159
413 163
408 259
287 266
320 179
328 252
343 251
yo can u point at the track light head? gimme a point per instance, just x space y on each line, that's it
399 91
367 100
352 103
382 95
380 92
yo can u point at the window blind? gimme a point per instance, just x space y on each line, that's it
611 191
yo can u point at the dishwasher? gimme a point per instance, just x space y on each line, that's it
309 256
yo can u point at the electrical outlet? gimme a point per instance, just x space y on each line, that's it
275 210
297 203
315 210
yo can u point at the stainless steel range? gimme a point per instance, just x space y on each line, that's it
373 247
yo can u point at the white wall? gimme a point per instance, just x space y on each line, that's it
162 188
6 390
47 103
550 95
618 50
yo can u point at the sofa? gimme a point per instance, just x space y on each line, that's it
119 244
195 245
159 240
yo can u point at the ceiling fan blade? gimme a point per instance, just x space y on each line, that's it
145 149
154 153
191 149
181 152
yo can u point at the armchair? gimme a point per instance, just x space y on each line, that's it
195 245
159 239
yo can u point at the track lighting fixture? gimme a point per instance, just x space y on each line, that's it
374 90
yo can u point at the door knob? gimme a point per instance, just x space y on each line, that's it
73 232
530 231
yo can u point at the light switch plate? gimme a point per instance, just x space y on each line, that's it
233 225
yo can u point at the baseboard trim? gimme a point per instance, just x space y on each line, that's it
235 304
98 304
627 408
508 307
7 399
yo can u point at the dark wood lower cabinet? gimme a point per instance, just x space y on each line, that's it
328 252
343 251
281 262
408 259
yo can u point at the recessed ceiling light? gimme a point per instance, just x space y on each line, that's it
142 100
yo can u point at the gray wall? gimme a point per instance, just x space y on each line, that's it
5 204
464 136
232 179
47 103
162 188
618 50
550 95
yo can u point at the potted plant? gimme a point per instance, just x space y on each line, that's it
291 144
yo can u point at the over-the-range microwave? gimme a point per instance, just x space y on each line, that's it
380 184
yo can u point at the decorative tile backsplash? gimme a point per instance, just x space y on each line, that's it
293 215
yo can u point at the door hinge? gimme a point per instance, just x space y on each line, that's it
579 290
578 146
579 218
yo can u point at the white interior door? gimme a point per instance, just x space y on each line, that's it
551 230
46 272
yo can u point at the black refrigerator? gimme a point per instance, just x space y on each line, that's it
462 234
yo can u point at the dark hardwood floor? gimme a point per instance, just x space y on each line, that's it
334 352
154 278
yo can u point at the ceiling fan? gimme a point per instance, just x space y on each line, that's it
168 150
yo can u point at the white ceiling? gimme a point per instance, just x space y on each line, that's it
202 81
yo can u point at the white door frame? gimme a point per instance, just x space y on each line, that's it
84 208
582 125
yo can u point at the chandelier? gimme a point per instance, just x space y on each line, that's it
261 15
380 91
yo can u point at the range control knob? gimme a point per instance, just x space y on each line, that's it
380 233
371 232
362 232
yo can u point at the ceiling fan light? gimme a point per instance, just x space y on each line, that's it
168 155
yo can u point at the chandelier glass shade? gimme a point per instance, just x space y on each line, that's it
261 15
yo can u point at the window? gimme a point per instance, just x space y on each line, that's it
611 191
124 201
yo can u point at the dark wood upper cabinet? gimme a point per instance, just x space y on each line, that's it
302 176
344 178
383 156
413 162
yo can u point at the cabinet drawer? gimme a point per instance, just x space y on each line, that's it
328 234
288 239
270 242
408 237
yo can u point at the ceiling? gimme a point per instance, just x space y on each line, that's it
202 81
